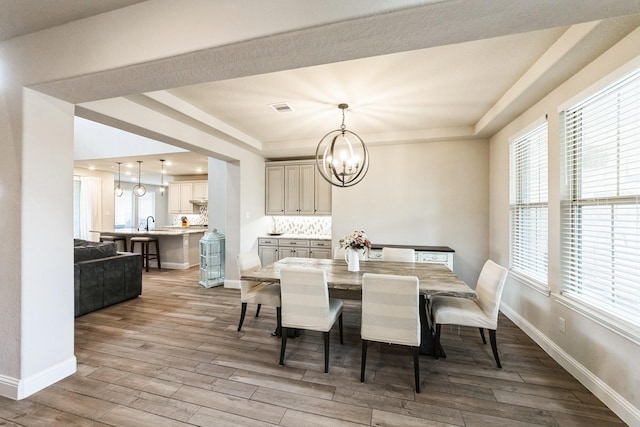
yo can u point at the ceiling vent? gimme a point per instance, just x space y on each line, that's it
281 107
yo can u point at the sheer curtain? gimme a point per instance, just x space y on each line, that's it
90 207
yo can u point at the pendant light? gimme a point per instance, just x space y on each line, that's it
162 178
139 189
119 190
341 156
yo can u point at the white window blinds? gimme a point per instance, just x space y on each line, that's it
601 217
529 204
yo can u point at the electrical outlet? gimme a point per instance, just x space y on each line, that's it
561 325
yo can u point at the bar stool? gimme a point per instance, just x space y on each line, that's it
146 256
115 239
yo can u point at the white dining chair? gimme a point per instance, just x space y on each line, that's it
480 313
339 253
398 254
306 305
390 314
257 292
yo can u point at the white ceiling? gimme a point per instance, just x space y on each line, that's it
455 91
20 17
403 92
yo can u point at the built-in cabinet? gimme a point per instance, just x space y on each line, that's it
182 192
427 254
274 191
296 188
272 249
200 190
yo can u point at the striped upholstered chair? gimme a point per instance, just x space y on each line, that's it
306 305
481 313
398 254
390 315
257 292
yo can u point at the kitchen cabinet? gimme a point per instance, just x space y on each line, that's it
427 254
293 247
200 190
179 196
181 192
268 254
320 249
322 194
296 188
299 191
272 249
274 203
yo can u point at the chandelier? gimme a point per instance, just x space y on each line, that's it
139 190
341 156
119 190
162 178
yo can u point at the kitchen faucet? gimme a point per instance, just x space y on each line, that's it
152 219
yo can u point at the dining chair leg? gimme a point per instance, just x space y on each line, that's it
436 350
283 345
340 326
363 363
416 367
484 340
494 346
326 351
242 313
279 321
258 310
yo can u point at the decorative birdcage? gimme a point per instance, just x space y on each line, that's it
212 259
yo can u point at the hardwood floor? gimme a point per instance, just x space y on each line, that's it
173 357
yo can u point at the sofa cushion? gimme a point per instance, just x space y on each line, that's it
84 250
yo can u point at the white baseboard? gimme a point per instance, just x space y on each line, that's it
173 265
618 404
16 389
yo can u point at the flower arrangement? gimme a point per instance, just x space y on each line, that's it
355 240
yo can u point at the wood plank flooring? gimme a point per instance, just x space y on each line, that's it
173 357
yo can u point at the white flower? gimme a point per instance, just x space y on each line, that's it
356 240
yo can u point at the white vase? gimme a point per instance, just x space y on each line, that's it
353 259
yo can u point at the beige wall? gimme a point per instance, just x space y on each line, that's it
432 193
603 360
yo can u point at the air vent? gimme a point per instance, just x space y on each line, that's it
281 107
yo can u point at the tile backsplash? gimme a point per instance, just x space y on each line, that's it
194 219
302 225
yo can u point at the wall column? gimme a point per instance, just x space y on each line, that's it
36 262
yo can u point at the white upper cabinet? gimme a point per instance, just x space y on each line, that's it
274 203
200 190
182 192
322 202
293 189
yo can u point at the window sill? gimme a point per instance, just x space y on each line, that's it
530 283
618 326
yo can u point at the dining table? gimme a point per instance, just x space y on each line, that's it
434 279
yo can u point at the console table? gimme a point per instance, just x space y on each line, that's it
428 254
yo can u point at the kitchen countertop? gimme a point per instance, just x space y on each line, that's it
296 236
154 232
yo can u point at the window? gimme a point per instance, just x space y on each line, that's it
529 204
601 213
132 211
124 210
146 207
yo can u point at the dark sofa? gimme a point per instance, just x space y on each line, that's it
103 276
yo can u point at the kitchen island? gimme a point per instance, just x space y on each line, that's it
179 246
